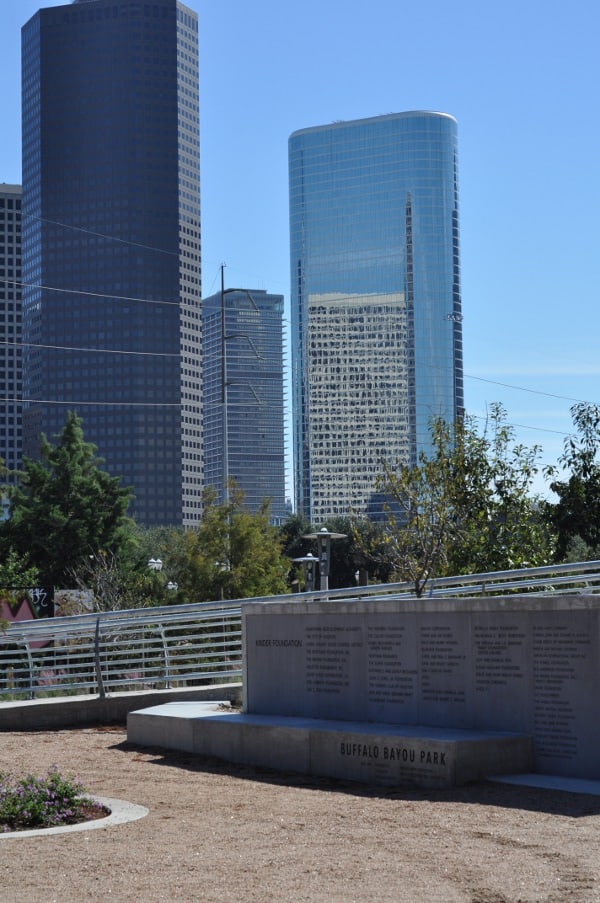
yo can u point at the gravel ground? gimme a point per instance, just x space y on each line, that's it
229 833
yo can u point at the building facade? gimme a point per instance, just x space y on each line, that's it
111 242
242 355
375 299
10 330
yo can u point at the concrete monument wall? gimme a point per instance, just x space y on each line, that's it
517 664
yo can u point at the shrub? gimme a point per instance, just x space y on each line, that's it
44 802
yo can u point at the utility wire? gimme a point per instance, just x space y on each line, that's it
100 404
524 426
123 241
74 291
92 350
524 389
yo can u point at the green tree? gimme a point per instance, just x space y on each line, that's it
420 525
65 508
578 550
291 535
466 508
293 545
371 550
119 582
153 542
233 554
347 556
16 572
577 512
16 578
502 521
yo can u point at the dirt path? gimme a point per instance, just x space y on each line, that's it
220 832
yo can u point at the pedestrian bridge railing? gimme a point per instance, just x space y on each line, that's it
176 646
201 644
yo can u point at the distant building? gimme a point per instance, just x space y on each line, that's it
111 242
358 405
375 299
244 396
10 330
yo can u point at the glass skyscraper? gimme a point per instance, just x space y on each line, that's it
375 300
111 242
10 329
244 396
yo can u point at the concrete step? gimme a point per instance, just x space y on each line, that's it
384 754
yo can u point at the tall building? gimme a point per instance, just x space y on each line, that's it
242 359
375 297
10 328
111 242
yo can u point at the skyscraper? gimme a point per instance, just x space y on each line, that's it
375 298
244 396
111 242
10 327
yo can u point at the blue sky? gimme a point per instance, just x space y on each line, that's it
520 77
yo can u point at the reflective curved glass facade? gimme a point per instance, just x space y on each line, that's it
375 300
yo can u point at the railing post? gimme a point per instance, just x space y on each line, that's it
99 678
31 693
163 637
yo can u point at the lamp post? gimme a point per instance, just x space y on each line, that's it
155 564
324 538
309 563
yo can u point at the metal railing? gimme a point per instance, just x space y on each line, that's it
192 645
177 646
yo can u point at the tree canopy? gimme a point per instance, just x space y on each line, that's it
576 515
502 521
464 509
233 554
65 508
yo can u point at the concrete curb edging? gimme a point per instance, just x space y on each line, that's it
121 812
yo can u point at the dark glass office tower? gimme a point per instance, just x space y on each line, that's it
111 242
10 329
244 396
375 298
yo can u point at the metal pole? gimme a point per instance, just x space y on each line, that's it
98 666
324 552
324 537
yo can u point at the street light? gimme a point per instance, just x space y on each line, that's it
309 563
324 538
155 564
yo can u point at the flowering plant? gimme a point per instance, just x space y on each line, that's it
44 802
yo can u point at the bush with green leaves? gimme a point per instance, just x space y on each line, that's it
45 802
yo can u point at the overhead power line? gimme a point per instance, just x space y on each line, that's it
101 404
74 291
93 350
123 241
524 426
494 382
